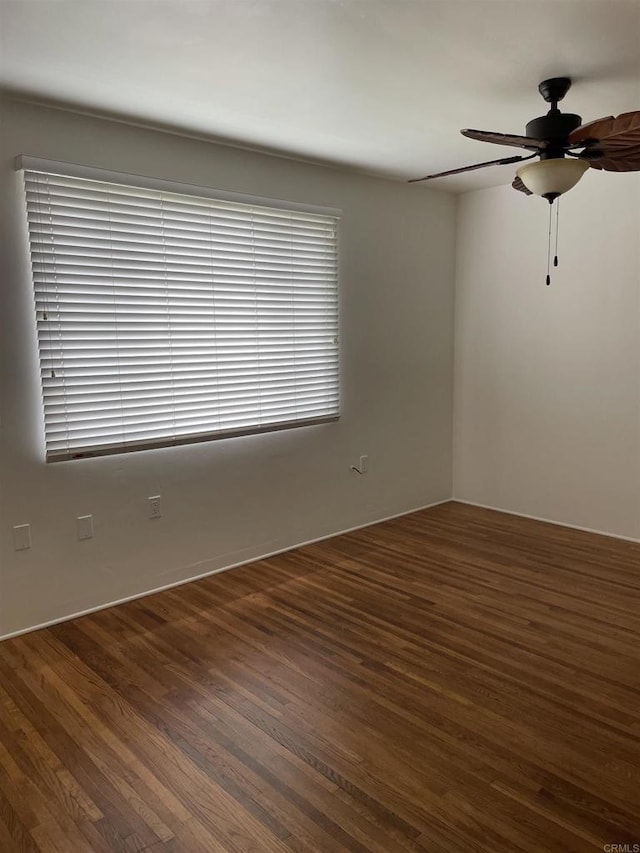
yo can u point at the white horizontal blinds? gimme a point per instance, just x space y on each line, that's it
164 318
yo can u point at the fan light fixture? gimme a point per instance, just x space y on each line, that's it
552 176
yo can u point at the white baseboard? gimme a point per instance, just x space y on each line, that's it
215 571
547 520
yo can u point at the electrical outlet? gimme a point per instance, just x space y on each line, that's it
155 506
85 527
22 537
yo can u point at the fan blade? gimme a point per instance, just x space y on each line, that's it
610 134
624 160
589 131
506 139
518 185
503 162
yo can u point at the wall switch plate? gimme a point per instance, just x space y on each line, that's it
155 506
85 527
21 536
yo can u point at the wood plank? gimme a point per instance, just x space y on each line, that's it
452 680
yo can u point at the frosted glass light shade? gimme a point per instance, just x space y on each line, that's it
552 177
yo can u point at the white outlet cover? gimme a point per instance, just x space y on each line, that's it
85 527
22 537
155 506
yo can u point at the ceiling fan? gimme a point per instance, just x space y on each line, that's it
566 148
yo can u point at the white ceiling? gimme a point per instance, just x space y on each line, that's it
383 86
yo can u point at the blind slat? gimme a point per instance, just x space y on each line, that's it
165 318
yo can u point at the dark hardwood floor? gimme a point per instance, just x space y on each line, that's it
452 681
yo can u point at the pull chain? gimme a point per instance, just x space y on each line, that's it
549 247
555 258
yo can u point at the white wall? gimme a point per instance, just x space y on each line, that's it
547 379
228 501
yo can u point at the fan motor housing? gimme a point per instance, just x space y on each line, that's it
555 127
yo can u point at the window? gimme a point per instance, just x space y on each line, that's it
170 317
